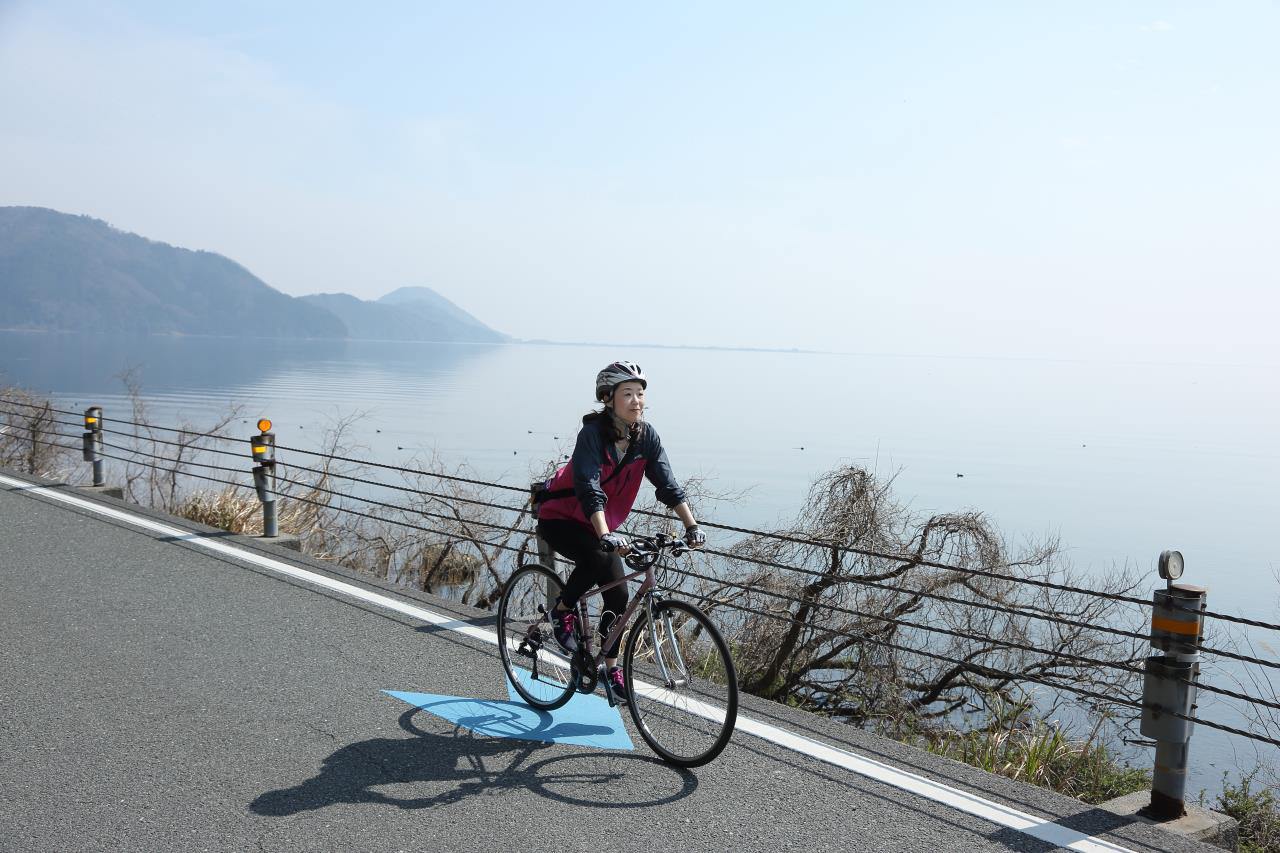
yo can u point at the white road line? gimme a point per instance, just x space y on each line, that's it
996 813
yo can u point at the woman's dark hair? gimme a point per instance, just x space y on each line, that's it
609 427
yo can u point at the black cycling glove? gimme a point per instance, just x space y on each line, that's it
694 538
611 542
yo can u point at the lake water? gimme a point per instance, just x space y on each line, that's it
1119 460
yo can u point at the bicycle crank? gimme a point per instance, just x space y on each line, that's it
587 678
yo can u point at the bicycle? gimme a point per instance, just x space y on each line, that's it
679 675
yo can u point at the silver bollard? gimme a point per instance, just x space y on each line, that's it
93 441
546 555
263 447
1176 626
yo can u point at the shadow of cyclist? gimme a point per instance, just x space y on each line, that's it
473 765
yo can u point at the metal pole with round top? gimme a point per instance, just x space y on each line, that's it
263 448
93 442
1168 686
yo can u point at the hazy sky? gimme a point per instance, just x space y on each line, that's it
1024 179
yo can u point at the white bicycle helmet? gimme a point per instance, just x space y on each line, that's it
614 375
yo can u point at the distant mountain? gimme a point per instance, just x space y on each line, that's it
407 314
76 273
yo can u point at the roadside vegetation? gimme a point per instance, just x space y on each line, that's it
29 437
1256 806
920 628
1022 745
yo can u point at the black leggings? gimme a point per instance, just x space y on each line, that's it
591 567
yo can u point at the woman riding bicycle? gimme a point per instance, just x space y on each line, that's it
589 499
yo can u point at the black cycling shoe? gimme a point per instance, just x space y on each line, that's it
564 622
618 685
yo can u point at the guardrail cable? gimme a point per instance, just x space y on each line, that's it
408 489
182 430
44 408
404 470
241 454
1208 650
996 672
1119 632
1056 655
820 605
989 671
776 595
184 462
860 581
181 471
75 448
1143 602
408 524
396 507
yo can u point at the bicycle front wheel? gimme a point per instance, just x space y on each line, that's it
682 684
539 670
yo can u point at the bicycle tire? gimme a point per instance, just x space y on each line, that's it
524 614
687 725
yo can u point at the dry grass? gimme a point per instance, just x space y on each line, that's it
1022 746
240 511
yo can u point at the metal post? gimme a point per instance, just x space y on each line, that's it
1168 687
263 448
547 557
93 442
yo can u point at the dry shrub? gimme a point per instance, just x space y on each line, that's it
32 440
437 533
879 562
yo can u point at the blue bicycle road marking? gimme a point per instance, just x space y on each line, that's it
583 721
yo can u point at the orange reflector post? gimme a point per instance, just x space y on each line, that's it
264 425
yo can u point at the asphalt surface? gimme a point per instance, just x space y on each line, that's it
154 696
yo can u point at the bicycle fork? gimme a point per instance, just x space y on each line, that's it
681 679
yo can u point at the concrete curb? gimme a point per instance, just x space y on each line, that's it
1198 824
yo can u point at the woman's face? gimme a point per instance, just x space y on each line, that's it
628 401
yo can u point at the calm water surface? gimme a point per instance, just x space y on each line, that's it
1119 460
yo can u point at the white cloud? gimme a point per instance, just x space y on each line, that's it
1156 27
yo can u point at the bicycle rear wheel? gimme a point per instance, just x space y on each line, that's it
682 684
539 670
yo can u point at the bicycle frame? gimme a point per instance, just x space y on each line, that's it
620 623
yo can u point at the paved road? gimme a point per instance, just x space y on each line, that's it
156 696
